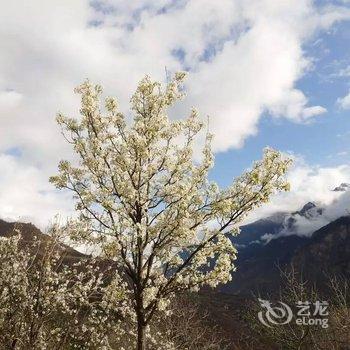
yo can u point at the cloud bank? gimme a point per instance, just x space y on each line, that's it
309 183
244 57
344 102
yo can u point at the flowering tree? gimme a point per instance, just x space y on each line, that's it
49 303
146 200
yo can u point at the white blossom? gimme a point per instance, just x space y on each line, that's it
166 225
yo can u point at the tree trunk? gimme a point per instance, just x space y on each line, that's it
141 335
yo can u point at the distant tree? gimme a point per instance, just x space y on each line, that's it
293 336
149 203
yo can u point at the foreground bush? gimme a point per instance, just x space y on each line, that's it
55 298
47 303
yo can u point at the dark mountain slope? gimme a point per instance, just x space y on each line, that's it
29 233
328 251
258 266
253 232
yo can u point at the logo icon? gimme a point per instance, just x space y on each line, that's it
274 315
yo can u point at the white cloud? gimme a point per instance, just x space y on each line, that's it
8 101
308 184
307 225
342 153
26 194
245 58
344 72
253 52
344 102
294 107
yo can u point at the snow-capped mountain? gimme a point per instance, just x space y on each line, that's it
302 222
315 239
342 188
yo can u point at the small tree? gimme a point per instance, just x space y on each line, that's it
140 191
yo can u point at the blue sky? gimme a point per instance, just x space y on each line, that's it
267 72
324 141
